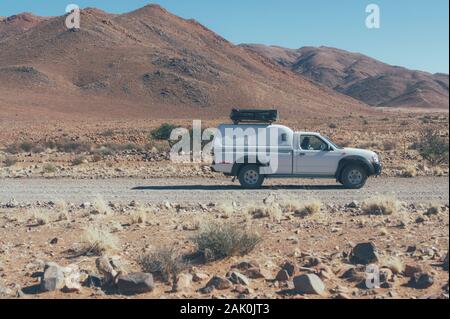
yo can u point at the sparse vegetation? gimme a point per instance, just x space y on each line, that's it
303 208
164 263
217 241
10 161
39 217
100 206
394 264
97 241
139 216
381 205
49 168
409 171
163 132
265 211
433 147
78 160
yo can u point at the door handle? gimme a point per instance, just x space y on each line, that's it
302 154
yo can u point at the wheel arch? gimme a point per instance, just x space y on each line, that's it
238 166
352 160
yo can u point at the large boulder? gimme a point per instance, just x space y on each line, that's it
309 284
421 280
135 283
364 253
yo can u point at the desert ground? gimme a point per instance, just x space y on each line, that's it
91 208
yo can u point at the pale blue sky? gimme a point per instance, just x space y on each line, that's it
414 33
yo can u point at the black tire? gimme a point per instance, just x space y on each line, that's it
354 176
250 177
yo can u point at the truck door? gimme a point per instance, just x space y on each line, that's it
314 156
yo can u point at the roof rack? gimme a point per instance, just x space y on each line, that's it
254 116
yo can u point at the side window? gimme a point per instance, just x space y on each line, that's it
312 143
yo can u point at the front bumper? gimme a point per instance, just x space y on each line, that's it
377 169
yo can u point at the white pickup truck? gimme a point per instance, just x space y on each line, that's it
241 150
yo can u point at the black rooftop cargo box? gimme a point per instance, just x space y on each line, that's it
254 116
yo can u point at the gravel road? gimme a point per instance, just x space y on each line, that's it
198 190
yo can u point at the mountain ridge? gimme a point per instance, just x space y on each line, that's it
361 77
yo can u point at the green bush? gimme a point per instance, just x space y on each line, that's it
163 132
433 147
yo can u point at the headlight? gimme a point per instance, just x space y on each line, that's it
375 159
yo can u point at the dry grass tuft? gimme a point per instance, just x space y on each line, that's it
265 211
409 171
39 217
217 241
164 263
100 206
139 216
97 241
381 205
394 264
303 208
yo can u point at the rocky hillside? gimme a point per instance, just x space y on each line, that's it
362 77
148 62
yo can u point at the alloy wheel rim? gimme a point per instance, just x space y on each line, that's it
355 177
251 177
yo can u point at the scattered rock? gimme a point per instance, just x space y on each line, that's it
421 280
184 282
290 268
411 270
54 241
354 275
242 290
53 278
135 283
106 269
353 204
282 275
238 278
364 253
309 284
219 283
93 281
198 277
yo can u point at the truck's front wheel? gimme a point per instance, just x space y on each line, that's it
250 177
354 177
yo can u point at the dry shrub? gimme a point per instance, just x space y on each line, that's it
265 211
217 241
303 208
394 264
433 209
39 217
164 263
49 168
10 161
139 216
100 206
97 241
381 205
226 209
409 171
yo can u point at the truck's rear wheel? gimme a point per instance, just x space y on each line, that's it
250 177
354 177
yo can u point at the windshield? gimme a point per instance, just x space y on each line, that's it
333 144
